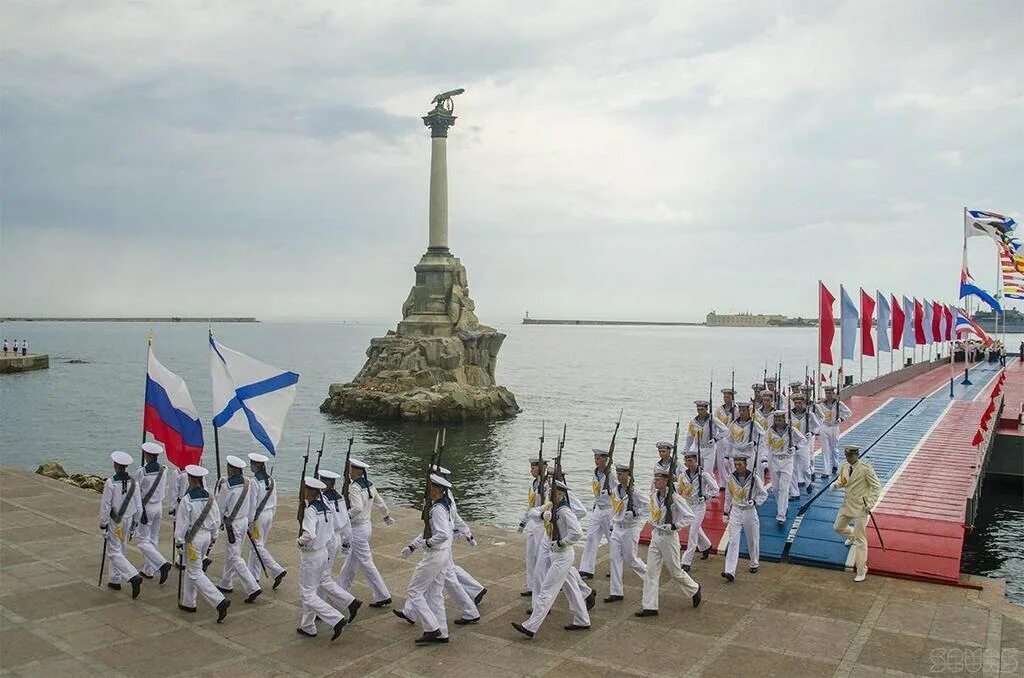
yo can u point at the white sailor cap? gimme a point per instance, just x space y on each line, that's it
661 472
259 458
757 387
329 475
795 384
598 452
690 454
742 450
780 413
313 484
151 447
562 486
700 403
743 403
798 396
664 443
771 377
767 392
235 461
829 387
121 458
357 463
538 461
622 467
196 471
440 470
728 391
439 481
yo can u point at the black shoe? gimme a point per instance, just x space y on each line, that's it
576 627
337 630
253 596
224 590
753 569
686 568
729 577
587 575
705 554
429 637
206 564
278 578
529 610
591 599
165 570
463 622
810 488
146 576
525 594
613 599
116 587
305 633
353 609
186 608
794 497
136 583
780 523
222 610
522 629
608 576
179 566
401 615
834 470
696 597
381 603
479 596
646 613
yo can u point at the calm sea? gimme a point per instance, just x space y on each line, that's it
77 412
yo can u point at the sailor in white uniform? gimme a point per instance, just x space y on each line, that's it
563 530
664 462
362 496
426 588
120 511
234 500
339 540
696 486
198 521
832 412
745 429
544 553
780 444
807 423
725 415
629 511
669 513
317 528
176 488
533 529
603 485
703 434
152 483
743 494
264 508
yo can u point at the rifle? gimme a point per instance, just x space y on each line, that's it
302 485
609 467
629 487
556 534
672 464
347 481
319 453
540 465
428 532
103 560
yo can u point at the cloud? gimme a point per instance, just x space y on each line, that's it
609 158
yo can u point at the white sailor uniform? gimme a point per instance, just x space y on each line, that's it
198 519
742 497
808 423
340 534
627 519
534 531
749 431
425 589
152 484
723 463
317 528
603 484
544 552
120 511
831 414
703 436
696 488
362 496
562 529
234 500
668 514
264 491
780 446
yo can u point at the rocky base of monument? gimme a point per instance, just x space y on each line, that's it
427 380
52 469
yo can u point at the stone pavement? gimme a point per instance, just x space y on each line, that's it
785 621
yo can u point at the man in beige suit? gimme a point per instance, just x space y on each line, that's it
862 489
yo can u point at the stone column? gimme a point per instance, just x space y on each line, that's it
438 121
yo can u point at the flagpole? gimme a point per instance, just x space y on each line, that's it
821 315
149 351
842 344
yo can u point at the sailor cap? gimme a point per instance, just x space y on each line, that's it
329 475
851 449
691 453
196 471
357 463
768 392
771 378
795 384
258 458
780 413
440 470
599 452
151 447
622 467
314 484
728 391
798 396
757 387
562 486
537 460
664 443
700 403
235 461
439 481
121 458
742 450
661 472
829 387
743 403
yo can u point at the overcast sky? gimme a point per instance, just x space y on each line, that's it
611 160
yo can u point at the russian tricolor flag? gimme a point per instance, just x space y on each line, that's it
170 416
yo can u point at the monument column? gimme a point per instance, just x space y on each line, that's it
439 120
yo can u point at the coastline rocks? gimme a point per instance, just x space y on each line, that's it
52 469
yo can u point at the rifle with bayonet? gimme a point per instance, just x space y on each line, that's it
347 481
428 532
556 534
629 486
610 467
302 486
672 465
319 453
541 472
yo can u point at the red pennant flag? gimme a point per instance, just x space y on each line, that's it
867 314
987 414
997 389
919 337
826 323
899 320
948 312
936 321
978 437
